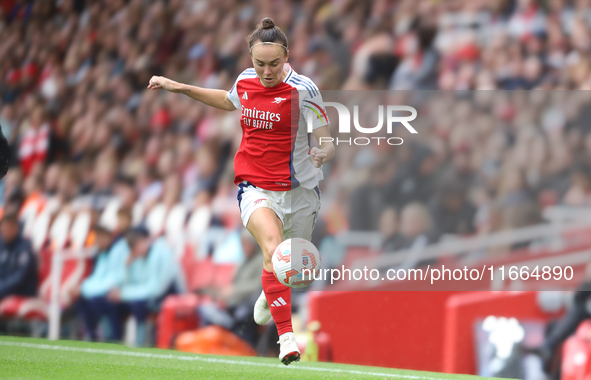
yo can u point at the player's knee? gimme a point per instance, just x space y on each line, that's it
267 263
269 248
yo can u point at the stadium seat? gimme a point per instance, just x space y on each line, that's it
9 306
200 274
31 207
40 229
29 211
174 228
223 274
59 230
155 219
79 230
27 308
28 223
52 205
73 273
177 314
198 223
175 222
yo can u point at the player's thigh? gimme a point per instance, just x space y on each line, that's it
266 227
251 198
305 205
263 217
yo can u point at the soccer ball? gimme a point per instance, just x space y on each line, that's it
291 258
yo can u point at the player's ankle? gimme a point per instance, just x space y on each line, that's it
284 328
286 334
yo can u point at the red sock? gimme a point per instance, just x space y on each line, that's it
279 299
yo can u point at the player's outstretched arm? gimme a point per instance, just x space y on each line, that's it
325 151
211 97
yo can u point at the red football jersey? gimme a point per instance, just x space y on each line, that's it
274 151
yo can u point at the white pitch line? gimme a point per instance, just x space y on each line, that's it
209 360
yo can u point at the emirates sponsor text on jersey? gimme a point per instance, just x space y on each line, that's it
259 118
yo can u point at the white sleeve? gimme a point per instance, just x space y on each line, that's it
233 95
313 107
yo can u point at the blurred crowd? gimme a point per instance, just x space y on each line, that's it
84 129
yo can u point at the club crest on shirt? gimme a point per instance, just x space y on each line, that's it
278 100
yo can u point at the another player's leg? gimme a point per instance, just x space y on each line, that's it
267 229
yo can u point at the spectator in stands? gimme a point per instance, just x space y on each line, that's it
34 144
125 192
67 186
108 273
233 303
18 263
390 230
416 230
525 214
579 192
104 176
416 70
367 201
414 181
151 273
452 212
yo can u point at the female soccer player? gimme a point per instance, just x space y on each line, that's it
276 171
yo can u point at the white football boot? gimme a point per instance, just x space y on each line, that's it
262 312
288 349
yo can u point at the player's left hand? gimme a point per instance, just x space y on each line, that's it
318 156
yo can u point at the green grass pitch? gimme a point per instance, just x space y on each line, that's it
26 358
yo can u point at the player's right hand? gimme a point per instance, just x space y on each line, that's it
318 156
156 83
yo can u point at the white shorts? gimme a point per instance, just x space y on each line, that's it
297 208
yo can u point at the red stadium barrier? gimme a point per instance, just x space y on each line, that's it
383 328
429 331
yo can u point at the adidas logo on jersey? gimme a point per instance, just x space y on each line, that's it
279 302
245 96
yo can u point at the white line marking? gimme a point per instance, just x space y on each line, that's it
209 360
